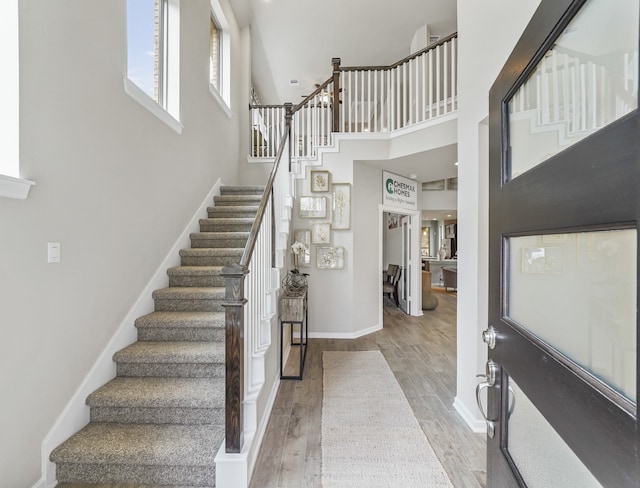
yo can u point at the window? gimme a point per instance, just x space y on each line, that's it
214 53
143 44
11 185
153 56
219 56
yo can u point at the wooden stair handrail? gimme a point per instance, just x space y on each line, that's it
430 47
234 301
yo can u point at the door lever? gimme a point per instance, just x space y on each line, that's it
490 380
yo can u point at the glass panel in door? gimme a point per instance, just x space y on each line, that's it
588 79
577 293
538 451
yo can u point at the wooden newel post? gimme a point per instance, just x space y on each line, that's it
233 304
288 116
335 104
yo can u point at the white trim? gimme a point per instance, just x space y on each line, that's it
478 426
76 414
18 188
40 484
218 98
135 92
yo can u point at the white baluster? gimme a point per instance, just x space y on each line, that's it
438 76
583 97
370 101
594 95
574 97
454 73
555 87
445 96
430 84
565 90
376 117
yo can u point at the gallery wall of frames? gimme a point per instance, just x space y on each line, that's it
327 209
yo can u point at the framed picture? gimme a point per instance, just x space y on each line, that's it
392 221
330 257
341 206
452 183
321 233
303 236
320 181
313 208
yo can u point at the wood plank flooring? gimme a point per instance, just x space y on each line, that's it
421 352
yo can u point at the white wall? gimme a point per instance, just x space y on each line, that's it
115 186
487 32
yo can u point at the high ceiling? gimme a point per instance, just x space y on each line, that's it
296 40
302 36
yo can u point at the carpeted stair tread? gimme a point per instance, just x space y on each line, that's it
160 393
210 256
172 352
141 444
182 319
220 235
243 190
212 252
181 326
226 224
233 209
219 239
189 293
242 200
225 220
194 270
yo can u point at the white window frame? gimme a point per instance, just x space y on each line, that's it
11 184
222 94
167 108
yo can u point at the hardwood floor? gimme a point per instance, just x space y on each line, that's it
421 352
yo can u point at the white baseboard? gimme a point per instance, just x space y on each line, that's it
478 426
76 414
40 484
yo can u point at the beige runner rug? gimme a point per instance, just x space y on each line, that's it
370 436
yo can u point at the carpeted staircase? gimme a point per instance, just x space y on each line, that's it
161 420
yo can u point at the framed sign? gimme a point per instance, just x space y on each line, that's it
398 191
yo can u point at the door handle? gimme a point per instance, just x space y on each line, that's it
490 378
489 336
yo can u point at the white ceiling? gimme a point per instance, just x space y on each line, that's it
302 36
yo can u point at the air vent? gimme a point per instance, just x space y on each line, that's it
433 39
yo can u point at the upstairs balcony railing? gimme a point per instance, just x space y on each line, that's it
418 88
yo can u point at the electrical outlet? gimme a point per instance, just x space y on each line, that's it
53 252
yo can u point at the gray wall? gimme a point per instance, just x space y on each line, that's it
115 186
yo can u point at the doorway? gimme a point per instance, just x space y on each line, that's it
399 236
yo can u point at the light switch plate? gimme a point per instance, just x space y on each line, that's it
53 252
